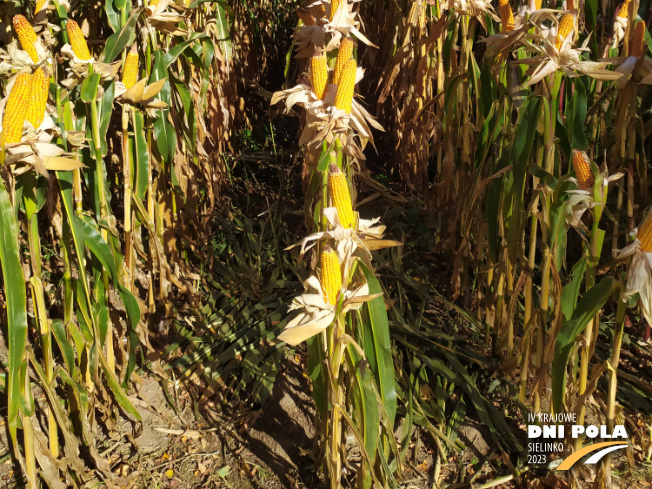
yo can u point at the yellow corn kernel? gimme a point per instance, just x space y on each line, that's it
16 109
26 36
624 8
637 47
566 25
130 72
331 275
344 95
338 188
40 5
583 170
318 74
343 55
77 41
335 4
506 15
40 87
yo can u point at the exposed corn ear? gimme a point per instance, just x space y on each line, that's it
343 55
506 15
16 109
624 8
566 25
636 48
26 36
583 170
40 5
644 234
338 188
537 4
130 73
331 275
335 4
318 74
153 3
77 41
40 87
344 95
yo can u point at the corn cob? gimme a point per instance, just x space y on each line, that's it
16 109
335 4
506 15
26 36
637 48
344 95
338 188
537 4
331 275
40 5
583 170
624 7
318 74
152 3
566 25
40 86
343 55
130 73
77 41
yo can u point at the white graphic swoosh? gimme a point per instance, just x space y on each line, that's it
595 458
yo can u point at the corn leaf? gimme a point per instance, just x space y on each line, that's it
119 40
142 156
16 298
586 309
377 344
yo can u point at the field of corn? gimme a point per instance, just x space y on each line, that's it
324 243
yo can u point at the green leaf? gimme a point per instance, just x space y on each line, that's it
159 72
112 15
65 346
571 291
365 409
223 30
118 41
578 139
317 373
106 109
166 139
586 310
97 245
16 300
523 138
378 346
176 51
142 156
89 88
118 393
133 317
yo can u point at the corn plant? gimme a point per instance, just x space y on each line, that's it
78 318
344 319
536 145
